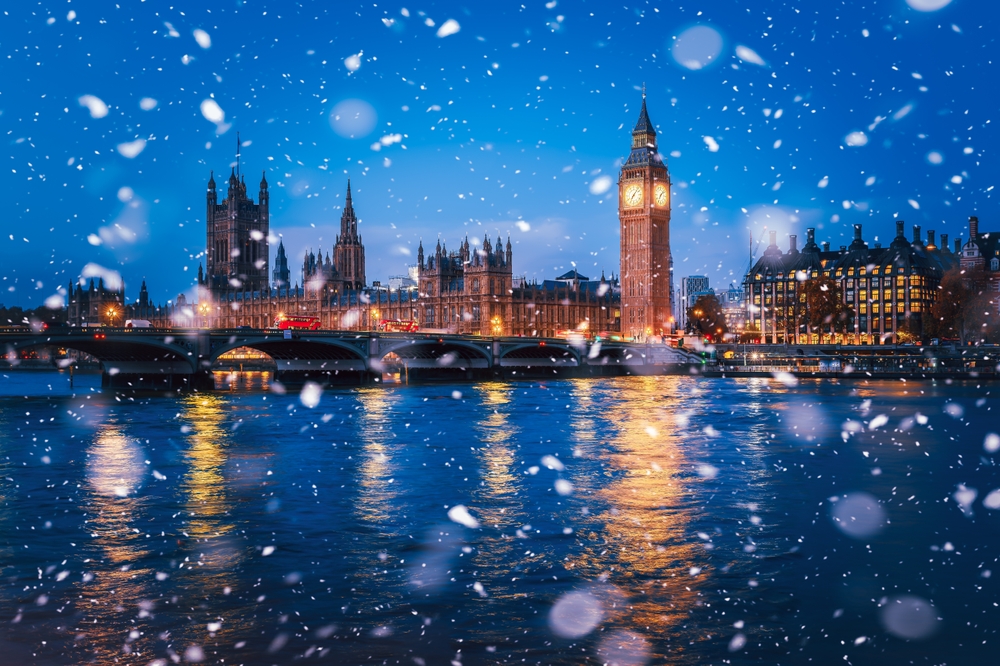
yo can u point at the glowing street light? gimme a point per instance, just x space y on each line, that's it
112 313
497 325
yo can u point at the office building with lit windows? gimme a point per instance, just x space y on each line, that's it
886 290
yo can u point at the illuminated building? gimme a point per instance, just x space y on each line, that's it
471 291
644 216
692 287
236 246
90 307
887 290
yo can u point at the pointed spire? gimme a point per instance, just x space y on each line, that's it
238 145
348 220
263 180
211 180
644 124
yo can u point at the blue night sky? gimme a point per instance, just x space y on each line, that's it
785 114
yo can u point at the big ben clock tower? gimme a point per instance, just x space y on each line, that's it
644 215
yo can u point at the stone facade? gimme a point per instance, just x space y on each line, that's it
888 290
644 215
469 291
236 246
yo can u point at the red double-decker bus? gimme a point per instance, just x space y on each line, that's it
398 326
285 322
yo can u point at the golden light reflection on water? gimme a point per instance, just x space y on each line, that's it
117 585
498 501
640 543
377 504
500 507
119 589
204 486
242 380
214 552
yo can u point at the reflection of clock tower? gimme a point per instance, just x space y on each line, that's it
644 214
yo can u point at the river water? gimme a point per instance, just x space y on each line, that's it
621 520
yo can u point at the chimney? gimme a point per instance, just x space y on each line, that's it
973 229
930 238
878 246
810 235
857 232
944 243
899 228
774 238
826 246
958 245
843 249
916 234
792 244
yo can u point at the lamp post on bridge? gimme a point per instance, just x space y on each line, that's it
373 312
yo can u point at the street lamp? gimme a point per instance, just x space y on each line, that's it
497 325
373 313
203 307
111 315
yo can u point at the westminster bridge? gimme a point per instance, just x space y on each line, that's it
181 358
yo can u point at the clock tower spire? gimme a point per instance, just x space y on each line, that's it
644 216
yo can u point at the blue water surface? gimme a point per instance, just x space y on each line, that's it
619 520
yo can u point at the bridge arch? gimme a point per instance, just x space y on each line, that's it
435 353
118 352
620 355
541 353
301 354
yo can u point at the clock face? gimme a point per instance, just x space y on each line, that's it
660 195
633 195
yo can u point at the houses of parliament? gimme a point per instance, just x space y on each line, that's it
469 290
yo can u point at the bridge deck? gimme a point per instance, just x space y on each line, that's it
156 354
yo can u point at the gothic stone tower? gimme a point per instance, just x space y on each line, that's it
348 252
236 244
644 215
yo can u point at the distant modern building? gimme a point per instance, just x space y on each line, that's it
409 281
888 289
733 308
692 287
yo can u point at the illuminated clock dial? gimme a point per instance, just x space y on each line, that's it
660 195
633 195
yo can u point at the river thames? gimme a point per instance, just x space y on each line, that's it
622 521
